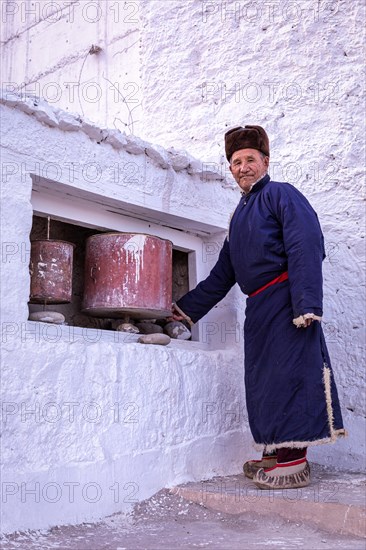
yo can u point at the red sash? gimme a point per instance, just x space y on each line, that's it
279 279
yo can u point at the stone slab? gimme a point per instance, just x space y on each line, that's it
334 501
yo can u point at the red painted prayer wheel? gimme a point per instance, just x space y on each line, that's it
51 272
128 274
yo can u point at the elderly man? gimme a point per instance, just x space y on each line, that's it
274 251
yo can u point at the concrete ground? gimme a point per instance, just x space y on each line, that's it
226 514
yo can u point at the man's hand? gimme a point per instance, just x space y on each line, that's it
175 315
304 321
179 315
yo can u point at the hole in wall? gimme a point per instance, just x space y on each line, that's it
78 234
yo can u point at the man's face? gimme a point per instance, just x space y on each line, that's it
247 166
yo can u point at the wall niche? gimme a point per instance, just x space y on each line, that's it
78 234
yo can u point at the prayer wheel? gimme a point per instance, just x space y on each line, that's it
128 274
51 272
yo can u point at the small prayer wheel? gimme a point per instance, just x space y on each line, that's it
51 272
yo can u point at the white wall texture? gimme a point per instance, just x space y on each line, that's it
181 74
46 52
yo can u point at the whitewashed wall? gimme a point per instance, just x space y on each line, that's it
195 69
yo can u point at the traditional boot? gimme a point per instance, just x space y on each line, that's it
286 474
251 467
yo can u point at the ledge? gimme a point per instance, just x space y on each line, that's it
178 160
71 334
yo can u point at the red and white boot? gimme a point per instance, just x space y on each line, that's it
291 471
251 467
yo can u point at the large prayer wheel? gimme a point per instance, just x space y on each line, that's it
128 274
51 272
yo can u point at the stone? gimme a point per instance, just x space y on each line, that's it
68 122
149 328
116 322
194 167
127 327
9 98
179 159
159 339
45 113
32 105
176 330
117 139
47 317
93 131
135 145
159 155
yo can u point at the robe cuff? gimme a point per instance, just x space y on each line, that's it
300 321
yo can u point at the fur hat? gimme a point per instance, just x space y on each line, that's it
249 137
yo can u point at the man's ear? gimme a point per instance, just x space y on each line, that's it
231 170
266 161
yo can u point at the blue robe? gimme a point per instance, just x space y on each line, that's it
291 395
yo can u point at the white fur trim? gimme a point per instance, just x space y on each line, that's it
299 444
328 398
